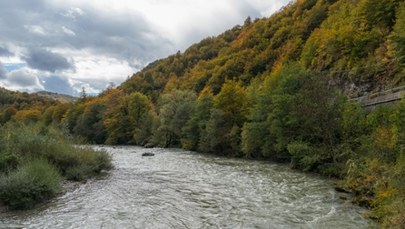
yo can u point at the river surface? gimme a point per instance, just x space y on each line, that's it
180 189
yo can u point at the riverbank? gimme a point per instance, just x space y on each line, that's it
37 163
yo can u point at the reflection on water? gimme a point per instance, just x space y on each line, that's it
179 189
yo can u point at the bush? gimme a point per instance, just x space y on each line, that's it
8 161
303 156
89 163
19 142
31 183
24 184
70 160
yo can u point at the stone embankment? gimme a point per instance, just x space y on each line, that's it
387 97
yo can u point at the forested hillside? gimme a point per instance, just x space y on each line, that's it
18 106
275 88
357 45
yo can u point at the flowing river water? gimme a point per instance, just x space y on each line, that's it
180 189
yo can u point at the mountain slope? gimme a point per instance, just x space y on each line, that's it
358 45
56 96
23 106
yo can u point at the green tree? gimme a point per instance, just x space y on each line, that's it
72 114
223 129
142 117
90 124
192 131
213 136
176 108
398 34
381 13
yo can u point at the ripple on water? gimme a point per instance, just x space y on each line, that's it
179 189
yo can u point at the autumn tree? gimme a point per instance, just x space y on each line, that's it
142 118
222 133
116 118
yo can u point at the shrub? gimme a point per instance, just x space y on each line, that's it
31 183
8 161
24 184
19 142
89 163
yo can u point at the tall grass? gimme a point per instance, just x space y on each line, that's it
34 181
32 160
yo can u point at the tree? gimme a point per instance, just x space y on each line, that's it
213 136
90 124
83 94
381 13
192 131
398 34
72 114
30 115
176 107
223 129
116 118
232 100
142 117
7 114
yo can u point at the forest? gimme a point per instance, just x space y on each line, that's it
276 88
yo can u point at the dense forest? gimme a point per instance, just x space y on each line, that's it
276 88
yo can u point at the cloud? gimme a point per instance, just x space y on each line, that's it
68 31
72 13
2 71
25 79
5 52
36 29
47 61
58 84
94 42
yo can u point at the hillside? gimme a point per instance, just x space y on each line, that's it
357 45
23 106
276 89
57 97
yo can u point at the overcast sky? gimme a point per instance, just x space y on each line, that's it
64 45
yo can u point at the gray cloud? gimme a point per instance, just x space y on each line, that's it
58 84
218 23
22 78
47 61
127 37
5 52
37 24
2 72
130 36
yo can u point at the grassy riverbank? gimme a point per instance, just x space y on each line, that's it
34 160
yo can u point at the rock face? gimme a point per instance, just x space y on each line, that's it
148 154
390 96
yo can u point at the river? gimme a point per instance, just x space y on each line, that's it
181 189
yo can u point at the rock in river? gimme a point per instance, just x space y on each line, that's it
148 154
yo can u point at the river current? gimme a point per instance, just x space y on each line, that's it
181 189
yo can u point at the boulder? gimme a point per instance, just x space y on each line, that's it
148 154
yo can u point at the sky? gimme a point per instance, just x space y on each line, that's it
64 45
